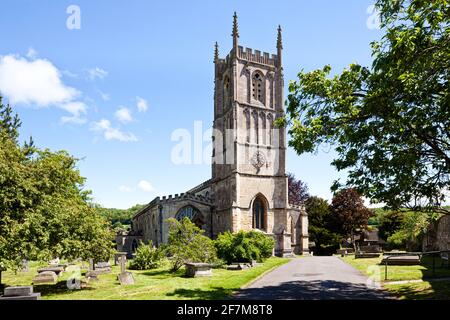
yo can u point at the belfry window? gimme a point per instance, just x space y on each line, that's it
257 87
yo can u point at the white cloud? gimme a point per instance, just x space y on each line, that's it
145 186
33 82
142 104
69 74
38 82
32 54
110 133
124 115
77 109
96 73
125 189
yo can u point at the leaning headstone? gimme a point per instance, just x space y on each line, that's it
124 277
25 266
45 277
20 293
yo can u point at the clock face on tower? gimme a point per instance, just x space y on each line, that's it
258 160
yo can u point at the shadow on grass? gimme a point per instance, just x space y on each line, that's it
216 293
58 288
438 287
163 273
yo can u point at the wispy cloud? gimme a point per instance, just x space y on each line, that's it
142 104
142 185
32 54
125 189
104 96
124 115
109 133
96 73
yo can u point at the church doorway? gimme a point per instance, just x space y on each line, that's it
259 214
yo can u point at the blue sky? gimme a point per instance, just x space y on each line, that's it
112 92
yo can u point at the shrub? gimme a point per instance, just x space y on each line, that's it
244 246
188 244
147 257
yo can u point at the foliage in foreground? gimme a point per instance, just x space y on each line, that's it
188 244
44 211
147 257
244 246
388 122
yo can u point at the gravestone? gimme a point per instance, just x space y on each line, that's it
25 266
198 270
20 293
125 278
102 267
118 256
56 270
45 277
91 264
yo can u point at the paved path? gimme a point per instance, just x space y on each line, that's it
312 278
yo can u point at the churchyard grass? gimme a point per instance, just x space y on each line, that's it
157 284
427 289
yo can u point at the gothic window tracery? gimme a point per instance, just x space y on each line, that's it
259 212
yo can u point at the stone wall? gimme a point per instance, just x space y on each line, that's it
438 236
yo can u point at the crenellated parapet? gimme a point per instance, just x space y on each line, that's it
256 56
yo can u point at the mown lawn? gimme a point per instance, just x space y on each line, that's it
158 284
397 273
428 289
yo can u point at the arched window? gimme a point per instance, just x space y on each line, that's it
259 214
257 87
192 213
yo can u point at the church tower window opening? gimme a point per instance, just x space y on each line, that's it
257 89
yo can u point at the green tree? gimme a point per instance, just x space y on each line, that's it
389 122
390 223
44 210
188 244
319 215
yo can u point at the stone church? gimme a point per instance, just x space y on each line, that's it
248 188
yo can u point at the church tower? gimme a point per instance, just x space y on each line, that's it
248 170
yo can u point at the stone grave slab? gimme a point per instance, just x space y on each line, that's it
46 277
57 270
198 270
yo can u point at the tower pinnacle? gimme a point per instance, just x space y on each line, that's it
235 33
279 39
216 52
